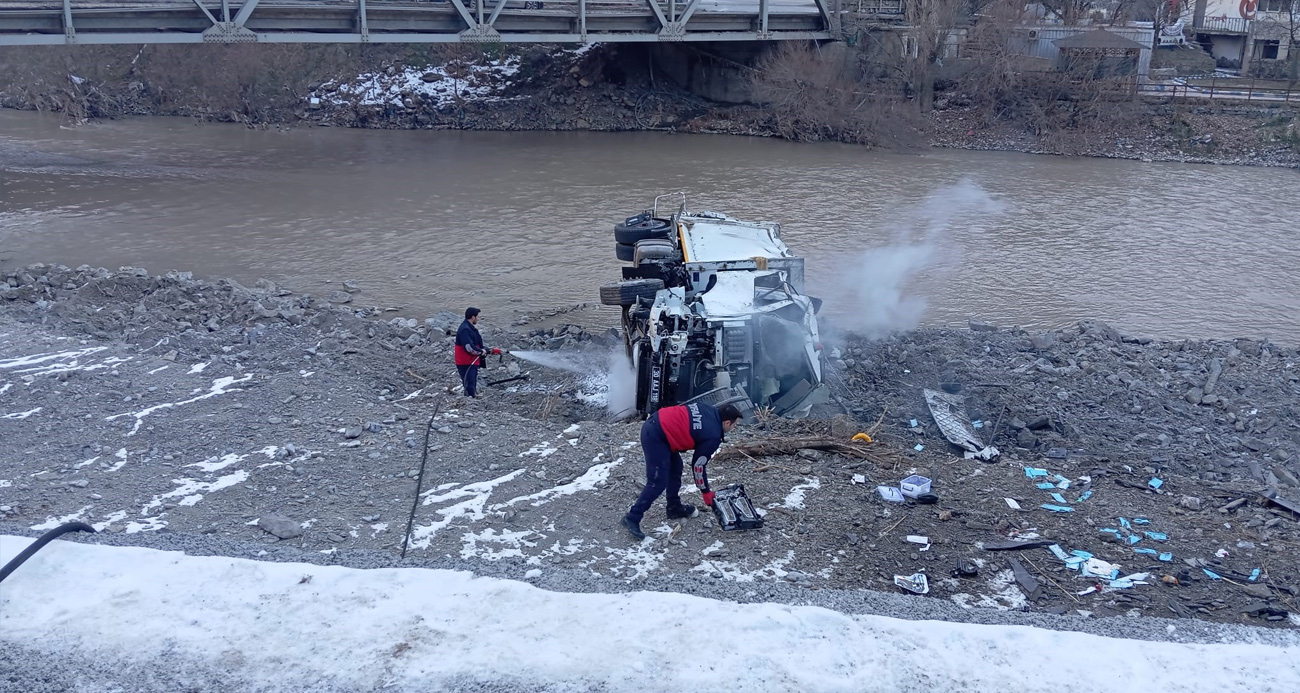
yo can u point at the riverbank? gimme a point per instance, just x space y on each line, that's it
220 419
596 88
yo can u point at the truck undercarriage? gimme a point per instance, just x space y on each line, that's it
713 311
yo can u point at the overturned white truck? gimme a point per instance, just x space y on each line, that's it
714 311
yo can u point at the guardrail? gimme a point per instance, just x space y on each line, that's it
1246 89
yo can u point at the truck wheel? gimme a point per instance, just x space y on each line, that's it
626 293
641 230
624 251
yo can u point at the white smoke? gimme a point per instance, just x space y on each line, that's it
612 383
879 283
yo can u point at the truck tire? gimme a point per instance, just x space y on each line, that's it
624 251
626 293
641 230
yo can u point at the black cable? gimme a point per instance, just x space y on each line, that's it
419 481
44 539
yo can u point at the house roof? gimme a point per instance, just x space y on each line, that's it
1097 38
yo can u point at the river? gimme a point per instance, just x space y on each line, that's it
521 222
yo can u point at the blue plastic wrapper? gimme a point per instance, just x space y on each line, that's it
1080 553
1032 472
1156 536
1124 523
919 447
1141 521
1148 552
1059 552
1059 498
1213 575
1085 495
1045 485
1254 575
1155 484
1056 508
1166 557
1133 539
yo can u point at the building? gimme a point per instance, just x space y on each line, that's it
1239 32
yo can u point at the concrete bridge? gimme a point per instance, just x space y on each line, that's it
57 22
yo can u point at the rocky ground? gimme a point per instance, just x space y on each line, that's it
217 418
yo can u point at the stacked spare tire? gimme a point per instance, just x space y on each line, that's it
637 239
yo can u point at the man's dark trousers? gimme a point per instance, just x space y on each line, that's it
663 471
469 377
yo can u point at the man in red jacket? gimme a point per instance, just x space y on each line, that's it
664 436
470 352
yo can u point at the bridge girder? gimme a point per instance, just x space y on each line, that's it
69 22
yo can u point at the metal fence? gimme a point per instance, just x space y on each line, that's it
1249 90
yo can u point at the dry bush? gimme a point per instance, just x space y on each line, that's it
1070 110
812 95
249 83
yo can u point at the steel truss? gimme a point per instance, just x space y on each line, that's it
56 22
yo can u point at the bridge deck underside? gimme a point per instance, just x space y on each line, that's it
33 22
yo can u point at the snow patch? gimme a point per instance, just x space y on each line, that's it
121 461
220 386
52 522
21 414
454 83
213 464
1005 594
512 543
191 490
197 368
51 363
543 450
594 476
508 634
794 499
774 569
473 498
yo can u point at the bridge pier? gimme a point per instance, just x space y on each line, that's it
718 72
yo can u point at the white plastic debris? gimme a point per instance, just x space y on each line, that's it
1011 503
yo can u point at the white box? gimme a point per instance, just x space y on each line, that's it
914 486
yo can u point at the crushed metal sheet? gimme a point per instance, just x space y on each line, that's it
950 413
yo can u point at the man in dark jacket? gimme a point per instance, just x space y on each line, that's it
664 436
470 352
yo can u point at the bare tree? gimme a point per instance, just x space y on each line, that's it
933 26
1068 109
814 94
1070 11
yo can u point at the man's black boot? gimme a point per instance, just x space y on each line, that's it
682 511
633 528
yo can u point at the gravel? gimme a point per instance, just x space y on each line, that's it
299 439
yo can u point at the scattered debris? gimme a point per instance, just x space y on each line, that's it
916 583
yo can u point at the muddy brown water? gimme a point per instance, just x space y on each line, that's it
522 222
